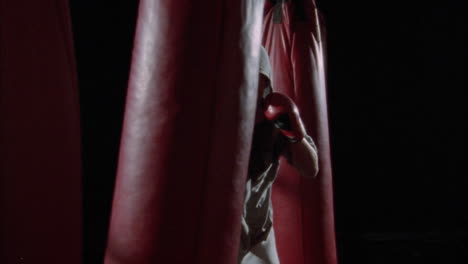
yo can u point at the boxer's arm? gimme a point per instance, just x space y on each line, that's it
303 156
300 150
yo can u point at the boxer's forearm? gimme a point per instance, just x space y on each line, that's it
304 158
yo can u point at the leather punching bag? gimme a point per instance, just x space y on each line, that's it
303 208
40 169
187 133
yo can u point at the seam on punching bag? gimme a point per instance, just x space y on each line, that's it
62 21
293 43
304 203
65 26
301 180
214 90
2 58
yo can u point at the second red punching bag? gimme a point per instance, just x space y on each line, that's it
304 223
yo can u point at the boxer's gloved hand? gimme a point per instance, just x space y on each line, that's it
283 112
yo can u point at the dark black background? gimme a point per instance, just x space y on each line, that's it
398 130
395 80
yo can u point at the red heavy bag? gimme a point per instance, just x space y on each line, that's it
40 170
187 133
304 223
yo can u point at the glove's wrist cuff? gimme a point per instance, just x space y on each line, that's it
292 137
294 140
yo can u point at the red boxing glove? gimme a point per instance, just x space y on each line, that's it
283 112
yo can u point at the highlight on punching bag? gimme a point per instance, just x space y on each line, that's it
187 133
303 208
40 170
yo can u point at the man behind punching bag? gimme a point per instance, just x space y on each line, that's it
278 131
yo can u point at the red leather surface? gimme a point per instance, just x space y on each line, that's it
187 133
40 170
303 208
